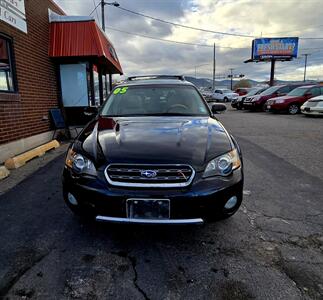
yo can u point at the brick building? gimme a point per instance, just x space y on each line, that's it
33 70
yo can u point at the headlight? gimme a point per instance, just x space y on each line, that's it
79 163
223 165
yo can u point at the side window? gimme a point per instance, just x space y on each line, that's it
7 83
321 90
285 89
315 91
217 91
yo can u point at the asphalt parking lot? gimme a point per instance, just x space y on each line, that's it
271 249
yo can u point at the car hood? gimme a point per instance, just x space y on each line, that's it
155 140
231 94
289 98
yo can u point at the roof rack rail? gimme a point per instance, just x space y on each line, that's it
178 77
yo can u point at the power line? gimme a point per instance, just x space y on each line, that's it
170 41
201 29
94 9
185 26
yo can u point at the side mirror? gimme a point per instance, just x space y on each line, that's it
90 111
216 108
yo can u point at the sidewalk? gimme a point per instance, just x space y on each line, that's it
18 175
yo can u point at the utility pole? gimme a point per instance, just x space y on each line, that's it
231 76
305 65
213 82
272 72
103 3
103 15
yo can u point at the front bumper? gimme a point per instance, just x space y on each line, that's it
203 200
276 106
314 111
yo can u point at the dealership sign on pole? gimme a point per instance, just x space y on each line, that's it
13 13
277 48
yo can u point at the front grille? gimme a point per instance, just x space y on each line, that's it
129 175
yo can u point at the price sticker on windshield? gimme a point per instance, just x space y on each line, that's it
121 91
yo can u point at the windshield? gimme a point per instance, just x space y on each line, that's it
270 90
155 101
297 92
253 92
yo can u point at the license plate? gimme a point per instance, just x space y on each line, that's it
148 209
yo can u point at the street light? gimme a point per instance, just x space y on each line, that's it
115 3
103 3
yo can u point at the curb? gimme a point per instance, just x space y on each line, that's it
20 160
4 172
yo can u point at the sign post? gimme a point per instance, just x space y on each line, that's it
13 12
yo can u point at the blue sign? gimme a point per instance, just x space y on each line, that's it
266 48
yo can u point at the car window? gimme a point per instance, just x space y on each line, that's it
158 100
300 91
218 92
270 91
285 89
321 90
315 91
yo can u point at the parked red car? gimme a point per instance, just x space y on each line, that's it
295 99
242 91
259 101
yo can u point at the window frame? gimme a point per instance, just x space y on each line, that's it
12 63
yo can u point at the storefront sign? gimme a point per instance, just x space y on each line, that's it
13 13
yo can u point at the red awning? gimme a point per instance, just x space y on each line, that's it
82 39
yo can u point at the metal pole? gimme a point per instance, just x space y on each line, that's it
103 28
272 72
306 54
102 14
213 82
231 74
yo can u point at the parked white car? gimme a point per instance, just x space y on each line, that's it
313 107
224 95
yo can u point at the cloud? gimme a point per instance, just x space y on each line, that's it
139 55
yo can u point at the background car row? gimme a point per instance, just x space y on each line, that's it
291 98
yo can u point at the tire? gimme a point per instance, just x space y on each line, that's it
239 106
293 109
225 99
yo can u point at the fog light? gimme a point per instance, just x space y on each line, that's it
231 202
72 199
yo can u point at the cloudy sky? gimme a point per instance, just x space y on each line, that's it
266 18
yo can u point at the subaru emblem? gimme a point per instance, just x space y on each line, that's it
148 173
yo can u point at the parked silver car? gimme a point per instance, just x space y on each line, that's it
313 107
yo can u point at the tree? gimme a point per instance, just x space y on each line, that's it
243 83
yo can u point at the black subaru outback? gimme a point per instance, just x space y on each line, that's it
155 153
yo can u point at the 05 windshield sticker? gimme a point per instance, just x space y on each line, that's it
120 91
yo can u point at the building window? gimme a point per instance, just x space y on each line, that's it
96 85
7 83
